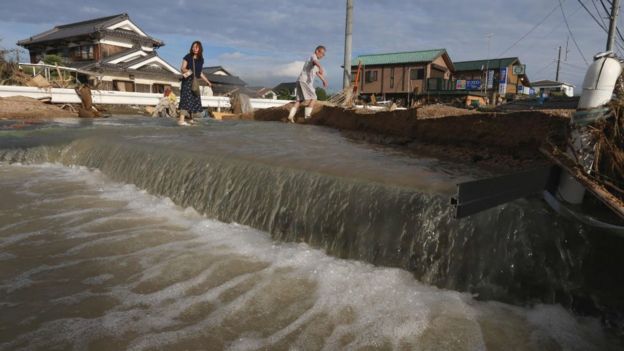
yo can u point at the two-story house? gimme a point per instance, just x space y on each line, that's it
502 76
123 56
399 75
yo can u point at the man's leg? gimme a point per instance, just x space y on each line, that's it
293 111
308 109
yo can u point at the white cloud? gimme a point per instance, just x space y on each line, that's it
263 38
290 69
232 56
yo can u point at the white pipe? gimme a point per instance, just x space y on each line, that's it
598 87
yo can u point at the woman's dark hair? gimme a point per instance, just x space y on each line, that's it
201 49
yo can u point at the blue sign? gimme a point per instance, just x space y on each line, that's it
473 84
503 76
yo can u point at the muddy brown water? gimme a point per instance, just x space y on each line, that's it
136 234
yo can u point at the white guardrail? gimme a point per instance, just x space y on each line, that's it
69 96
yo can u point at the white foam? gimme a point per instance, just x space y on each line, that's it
382 303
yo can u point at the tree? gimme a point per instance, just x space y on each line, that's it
53 60
284 94
321 94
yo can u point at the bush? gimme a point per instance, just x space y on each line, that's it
53 60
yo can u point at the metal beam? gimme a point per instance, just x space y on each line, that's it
478 195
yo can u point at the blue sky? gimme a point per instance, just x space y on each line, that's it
265 42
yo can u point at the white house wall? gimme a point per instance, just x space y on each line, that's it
129 57
109 78
123 44
127 25
158 61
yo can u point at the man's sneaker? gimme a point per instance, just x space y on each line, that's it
183 123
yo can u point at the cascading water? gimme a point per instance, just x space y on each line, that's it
355 201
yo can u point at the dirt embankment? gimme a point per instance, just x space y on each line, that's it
499 141
20 107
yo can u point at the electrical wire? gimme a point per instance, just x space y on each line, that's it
573 65
604 24
543 68
529 32
570 31
601 25
620 45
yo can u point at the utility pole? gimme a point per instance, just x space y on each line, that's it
558 63
615 8
346 82
487 64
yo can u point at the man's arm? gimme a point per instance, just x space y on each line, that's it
318 64
322 78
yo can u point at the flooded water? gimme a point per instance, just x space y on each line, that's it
262 236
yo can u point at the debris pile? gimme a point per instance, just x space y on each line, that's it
608 167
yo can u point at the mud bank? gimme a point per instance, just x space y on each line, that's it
21 107
494 140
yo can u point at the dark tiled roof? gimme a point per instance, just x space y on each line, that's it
137 60
213 69
78 29
121 54
225 80
228 79
477 65
285 86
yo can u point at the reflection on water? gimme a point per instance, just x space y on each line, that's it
87 263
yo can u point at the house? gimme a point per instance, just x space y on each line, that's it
505 76
122 55
264 93
398 75
550 86
224 82
286 90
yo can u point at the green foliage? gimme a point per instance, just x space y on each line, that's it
284 94
3 53
53 60
321 94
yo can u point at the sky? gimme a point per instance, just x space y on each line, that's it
265 42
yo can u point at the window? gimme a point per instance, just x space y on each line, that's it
370 76
417 73
392 78
84 52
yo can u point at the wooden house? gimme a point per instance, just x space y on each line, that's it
122 55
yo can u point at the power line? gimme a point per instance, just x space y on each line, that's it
601 25
543 68
572 65
570 31
529 32
604 25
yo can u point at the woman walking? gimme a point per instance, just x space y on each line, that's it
192 66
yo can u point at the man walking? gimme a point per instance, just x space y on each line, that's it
305 83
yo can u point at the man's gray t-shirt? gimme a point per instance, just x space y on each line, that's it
309 70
